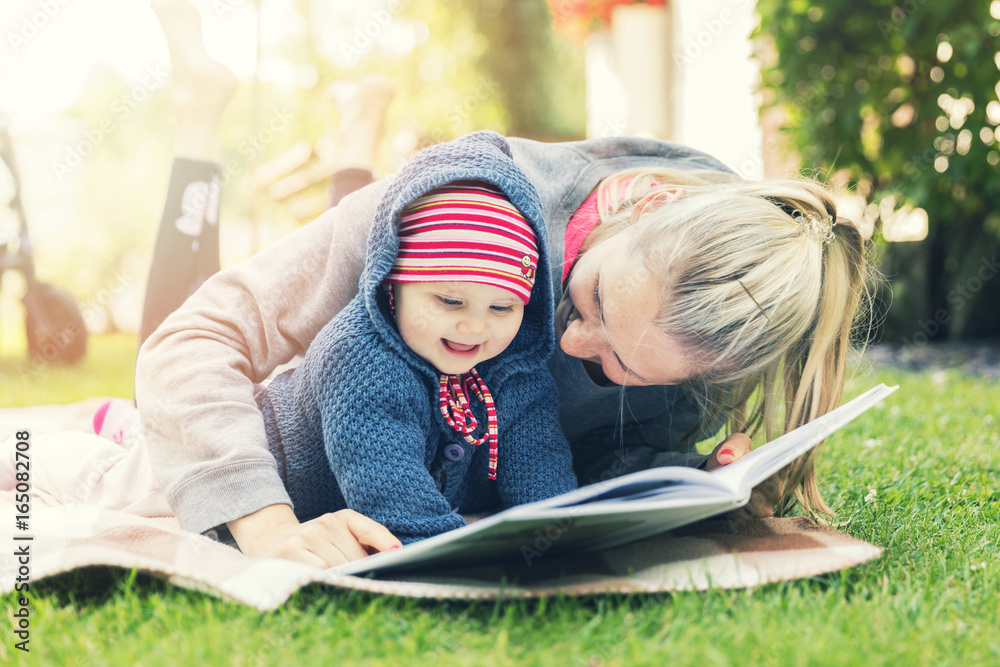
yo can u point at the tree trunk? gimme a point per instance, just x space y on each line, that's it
519 59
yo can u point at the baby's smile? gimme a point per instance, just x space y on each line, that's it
460 349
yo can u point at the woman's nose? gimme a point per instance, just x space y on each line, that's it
578 341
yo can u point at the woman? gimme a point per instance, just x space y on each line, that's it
690 297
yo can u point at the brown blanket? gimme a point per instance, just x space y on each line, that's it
724 554
721 554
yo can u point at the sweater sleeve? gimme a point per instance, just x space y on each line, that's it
375 430
195 375
534 460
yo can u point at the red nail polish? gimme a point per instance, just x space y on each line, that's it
727 452
395 546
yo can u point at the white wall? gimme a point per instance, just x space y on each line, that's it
715 102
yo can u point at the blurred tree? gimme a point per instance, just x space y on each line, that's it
459 67
116 167
903 96
534 73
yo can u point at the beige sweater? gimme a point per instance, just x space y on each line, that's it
195 374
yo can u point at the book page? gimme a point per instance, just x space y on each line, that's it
666 481
508 537
743 475
616 511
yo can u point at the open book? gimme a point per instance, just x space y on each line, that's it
620 510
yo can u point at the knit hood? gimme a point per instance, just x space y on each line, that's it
482 156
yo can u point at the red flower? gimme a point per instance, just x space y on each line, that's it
578 18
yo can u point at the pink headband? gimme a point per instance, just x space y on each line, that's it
466 232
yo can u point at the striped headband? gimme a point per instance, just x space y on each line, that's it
466 232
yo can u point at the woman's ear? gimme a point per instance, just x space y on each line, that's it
658 198
675 194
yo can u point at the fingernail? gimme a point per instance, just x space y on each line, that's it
395 546
726 456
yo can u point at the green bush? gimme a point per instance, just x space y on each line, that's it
903 96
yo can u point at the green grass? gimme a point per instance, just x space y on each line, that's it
919 477
107 370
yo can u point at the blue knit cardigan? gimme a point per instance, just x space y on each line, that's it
357 424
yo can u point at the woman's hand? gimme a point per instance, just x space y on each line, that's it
732 448
764 496
332 539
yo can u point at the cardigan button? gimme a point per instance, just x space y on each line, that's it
454 452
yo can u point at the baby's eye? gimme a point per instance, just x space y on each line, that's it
451 303
502 309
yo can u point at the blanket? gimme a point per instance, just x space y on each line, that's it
720 554
64 536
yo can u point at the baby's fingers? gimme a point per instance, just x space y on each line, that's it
372 535
296 551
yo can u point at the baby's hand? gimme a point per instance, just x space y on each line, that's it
329 540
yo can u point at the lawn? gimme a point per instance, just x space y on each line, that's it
918 476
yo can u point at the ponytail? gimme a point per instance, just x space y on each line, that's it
814 374
757 288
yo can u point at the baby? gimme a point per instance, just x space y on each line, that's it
429 394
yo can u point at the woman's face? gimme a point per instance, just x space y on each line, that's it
612 322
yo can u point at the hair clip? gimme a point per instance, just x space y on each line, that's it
817 227
820 228
763 312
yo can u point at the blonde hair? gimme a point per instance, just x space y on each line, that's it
756 292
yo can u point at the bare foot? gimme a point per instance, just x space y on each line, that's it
362 120
203 87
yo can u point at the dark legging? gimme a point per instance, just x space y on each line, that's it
187 245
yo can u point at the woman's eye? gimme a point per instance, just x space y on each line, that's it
451 303
574 314
502 309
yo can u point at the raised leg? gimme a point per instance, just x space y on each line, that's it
361 128
187 245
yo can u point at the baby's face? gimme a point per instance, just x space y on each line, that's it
454 326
